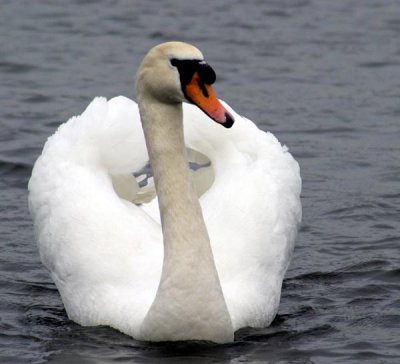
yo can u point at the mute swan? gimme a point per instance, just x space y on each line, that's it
216 263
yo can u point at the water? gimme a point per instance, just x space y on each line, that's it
322 75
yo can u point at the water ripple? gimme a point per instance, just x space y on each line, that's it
320 75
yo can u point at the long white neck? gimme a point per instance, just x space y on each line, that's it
189 304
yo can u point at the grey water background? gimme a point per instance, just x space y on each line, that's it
323 76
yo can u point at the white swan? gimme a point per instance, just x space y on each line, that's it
212 267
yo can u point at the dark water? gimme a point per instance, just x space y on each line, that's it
323 75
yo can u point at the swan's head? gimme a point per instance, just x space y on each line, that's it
176 72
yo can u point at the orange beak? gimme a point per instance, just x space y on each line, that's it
202 95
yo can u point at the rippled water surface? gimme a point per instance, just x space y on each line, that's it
323 76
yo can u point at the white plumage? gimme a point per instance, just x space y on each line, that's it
105 253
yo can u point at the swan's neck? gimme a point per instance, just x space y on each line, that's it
189 303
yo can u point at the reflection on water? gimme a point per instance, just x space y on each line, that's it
321 75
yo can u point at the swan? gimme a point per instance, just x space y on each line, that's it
205 257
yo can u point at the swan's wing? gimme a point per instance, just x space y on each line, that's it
252 212
123 139
103 252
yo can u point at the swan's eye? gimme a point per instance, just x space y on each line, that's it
174 62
